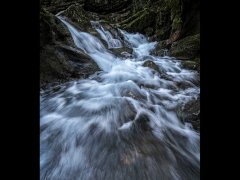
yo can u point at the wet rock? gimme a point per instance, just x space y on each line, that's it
190 113
162 48
151 65
80 18
192 65
141 122
187 48
60 63
126 54
122 52
52 30
174 37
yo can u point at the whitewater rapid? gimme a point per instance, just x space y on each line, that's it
121 122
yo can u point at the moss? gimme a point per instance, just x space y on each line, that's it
163 15
139 4
187 48
176 12
190 65
163 33
177 23
169 18
139 21
79 17
132 18
136 22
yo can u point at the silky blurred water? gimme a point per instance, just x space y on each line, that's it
121 122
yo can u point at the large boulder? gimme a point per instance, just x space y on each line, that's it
192 65
80 18
52 30
190 113
60 60
187 48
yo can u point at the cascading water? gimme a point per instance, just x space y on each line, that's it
120 123
106 36
139 43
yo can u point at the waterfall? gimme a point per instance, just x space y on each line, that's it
138 43
92 46
106 36
120 123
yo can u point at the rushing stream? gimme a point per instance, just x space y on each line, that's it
120 123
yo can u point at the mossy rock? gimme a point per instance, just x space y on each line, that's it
139 21
151 65
169 18
79 17
187 48
161 72
192 65
55 6
176 12
162 33
149 31
190 113
52 30
118 51
139 4
162 48
61 63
